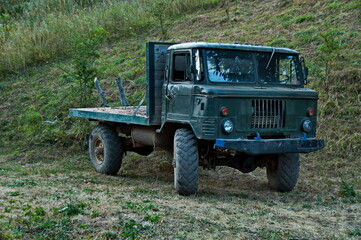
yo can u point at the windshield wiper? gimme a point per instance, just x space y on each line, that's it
273 52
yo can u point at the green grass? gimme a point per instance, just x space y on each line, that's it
304 18
44 30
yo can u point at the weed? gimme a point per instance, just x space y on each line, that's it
26 207
8 209
95 214
143 208
307 205
109 236
90 190
13 194
39 211
73 209
6 23
285 18
132 229
347 190
83 226
130 205
304 18
355 232
149 207
319 201
152 218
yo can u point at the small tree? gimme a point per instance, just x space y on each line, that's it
330 52
84 56
158 10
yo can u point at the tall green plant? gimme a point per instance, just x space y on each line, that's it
158 10
84 68
329 52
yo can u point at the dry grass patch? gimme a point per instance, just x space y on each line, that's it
141 203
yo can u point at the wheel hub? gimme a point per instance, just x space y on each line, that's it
99 150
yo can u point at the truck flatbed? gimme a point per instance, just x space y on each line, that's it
145 115
114 114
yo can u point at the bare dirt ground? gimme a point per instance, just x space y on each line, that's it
66 199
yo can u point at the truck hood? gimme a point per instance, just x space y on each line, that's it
247 91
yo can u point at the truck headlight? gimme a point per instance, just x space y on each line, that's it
227 126
307 126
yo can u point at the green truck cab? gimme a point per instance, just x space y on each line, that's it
209 105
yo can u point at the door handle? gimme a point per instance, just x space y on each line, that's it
170 97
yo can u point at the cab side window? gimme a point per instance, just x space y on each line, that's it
181 67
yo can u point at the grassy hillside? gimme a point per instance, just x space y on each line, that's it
48 189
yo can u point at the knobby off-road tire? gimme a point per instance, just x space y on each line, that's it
105 149
282 171
185 162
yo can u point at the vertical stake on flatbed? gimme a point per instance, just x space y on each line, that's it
139 105
101 93
121 92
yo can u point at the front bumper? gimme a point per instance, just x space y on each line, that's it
272 146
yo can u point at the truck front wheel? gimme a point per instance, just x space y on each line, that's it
105 149
185 162
282 171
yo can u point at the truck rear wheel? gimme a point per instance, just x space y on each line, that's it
185 162
105 149
282 171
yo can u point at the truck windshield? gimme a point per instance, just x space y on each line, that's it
278 69
230 66
249 67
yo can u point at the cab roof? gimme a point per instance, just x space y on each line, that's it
234 46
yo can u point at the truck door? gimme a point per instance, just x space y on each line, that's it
178 91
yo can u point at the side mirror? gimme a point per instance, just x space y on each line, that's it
304 70
305 75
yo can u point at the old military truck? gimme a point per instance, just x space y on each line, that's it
209 105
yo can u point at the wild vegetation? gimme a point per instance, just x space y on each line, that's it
50 51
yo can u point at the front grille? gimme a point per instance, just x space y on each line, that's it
268 113
209 127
